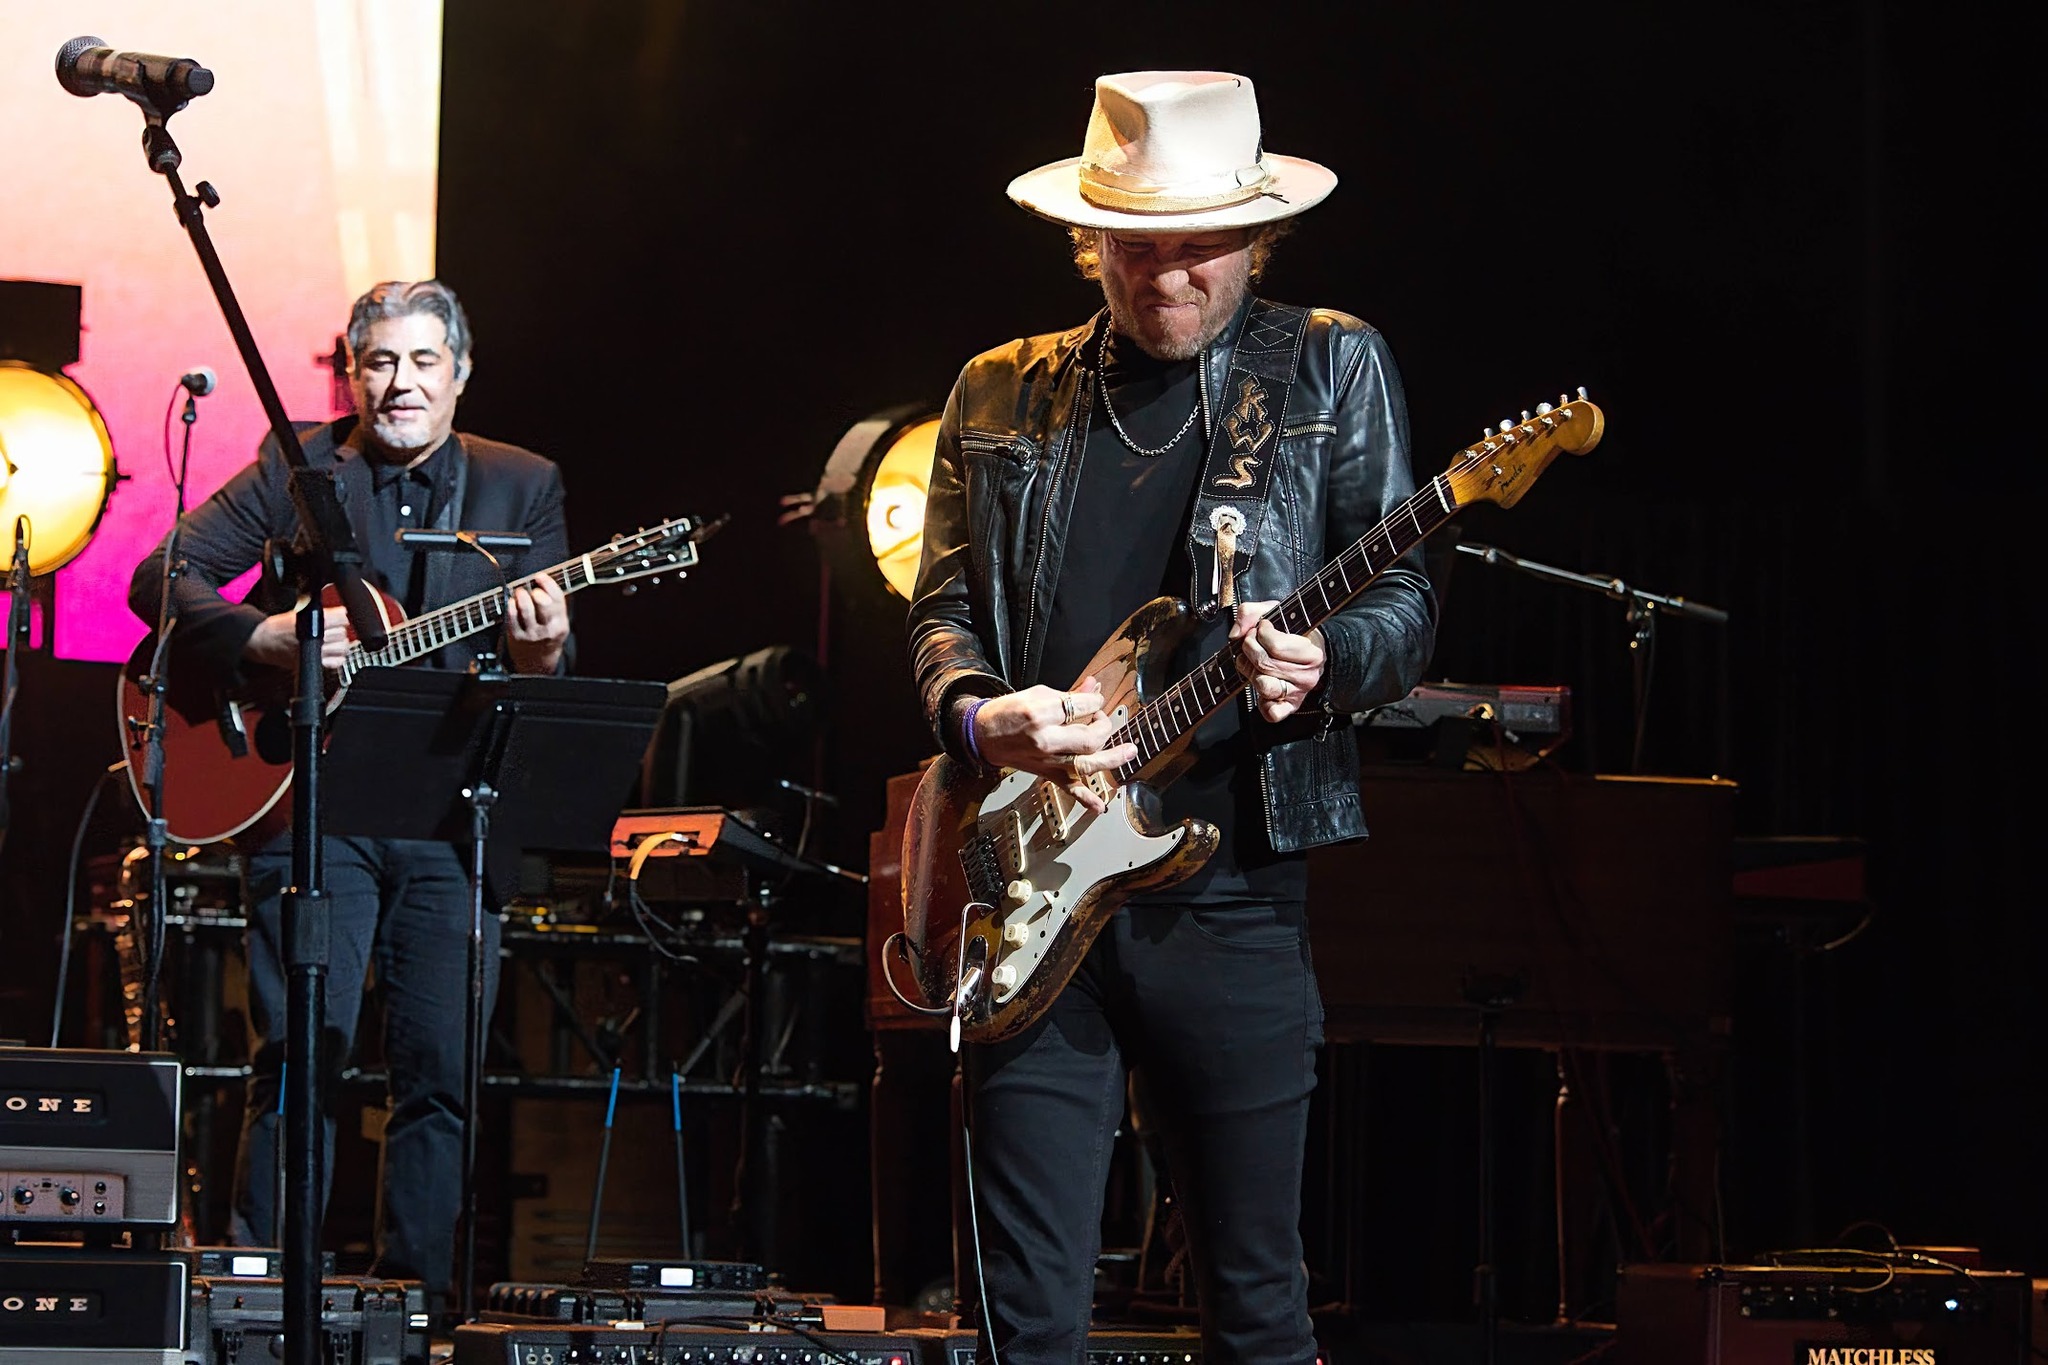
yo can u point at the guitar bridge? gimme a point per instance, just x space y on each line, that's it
982 861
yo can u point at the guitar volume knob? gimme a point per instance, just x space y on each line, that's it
1015 935
1019 890
1003 977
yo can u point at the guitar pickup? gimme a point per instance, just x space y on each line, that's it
1055 814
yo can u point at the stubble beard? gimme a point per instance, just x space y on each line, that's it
1215 310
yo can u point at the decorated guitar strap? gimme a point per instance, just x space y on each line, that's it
1244 445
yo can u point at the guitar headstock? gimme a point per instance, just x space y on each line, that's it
668 548
1501 466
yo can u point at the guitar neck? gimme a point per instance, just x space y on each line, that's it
419 636
1215 683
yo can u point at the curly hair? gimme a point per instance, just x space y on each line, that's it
1087 244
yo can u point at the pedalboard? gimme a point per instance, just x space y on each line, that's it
488 1343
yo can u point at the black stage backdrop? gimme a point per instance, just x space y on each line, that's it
699 242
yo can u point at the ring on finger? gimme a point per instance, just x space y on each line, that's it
1070 706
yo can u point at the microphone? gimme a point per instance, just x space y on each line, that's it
17 573
199 381
87 66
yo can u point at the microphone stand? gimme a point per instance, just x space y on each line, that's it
157 832
18 606
1643 607
331 558
482 795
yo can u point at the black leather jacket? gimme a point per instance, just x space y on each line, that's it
996 525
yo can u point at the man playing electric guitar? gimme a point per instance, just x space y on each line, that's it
403 904
1078 476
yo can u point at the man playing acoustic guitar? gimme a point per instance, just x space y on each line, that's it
1078 476
402 903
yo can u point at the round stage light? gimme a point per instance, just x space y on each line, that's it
56 464
896 504
876 478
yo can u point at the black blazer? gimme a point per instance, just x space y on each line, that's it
251 518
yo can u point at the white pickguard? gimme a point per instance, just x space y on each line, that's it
1053 851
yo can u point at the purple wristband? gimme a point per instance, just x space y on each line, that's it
967 730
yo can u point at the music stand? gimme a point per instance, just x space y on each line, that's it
498 762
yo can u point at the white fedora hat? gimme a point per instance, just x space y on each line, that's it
1173 151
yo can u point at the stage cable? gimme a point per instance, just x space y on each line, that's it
988 1327
92 802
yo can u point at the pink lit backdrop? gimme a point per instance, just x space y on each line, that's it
320 135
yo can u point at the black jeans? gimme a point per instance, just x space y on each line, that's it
404 904
1215 1013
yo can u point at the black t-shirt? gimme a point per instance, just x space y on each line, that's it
1127 544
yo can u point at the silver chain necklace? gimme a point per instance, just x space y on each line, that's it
1102 369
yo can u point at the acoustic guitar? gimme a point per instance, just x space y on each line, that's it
228 755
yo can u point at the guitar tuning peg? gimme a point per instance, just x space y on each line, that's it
1506 426
1543 409
1562 399
1525 414
1582 390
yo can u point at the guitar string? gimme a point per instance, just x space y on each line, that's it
1182 690
417 635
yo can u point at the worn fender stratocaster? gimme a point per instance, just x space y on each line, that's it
228 757
1007 879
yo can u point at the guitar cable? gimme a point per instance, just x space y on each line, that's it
952 1007
643 913
960 989
900 943
988 1327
